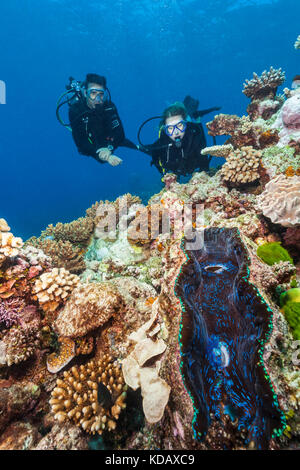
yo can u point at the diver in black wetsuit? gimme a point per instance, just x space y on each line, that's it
178 149
96 126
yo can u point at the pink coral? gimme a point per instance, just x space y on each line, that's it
291 112
10 311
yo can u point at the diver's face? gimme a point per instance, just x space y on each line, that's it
174 127
94 95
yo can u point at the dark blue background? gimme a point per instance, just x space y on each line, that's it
152 52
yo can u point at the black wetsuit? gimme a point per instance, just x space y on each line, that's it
97 128
181 160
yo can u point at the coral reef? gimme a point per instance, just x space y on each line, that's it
80 397
147 324
297 43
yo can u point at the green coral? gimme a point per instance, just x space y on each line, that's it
291 295
292 314
271 253
290 303
281 158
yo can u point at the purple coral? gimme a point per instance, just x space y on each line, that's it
10 312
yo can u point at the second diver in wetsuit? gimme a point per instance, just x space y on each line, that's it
178 148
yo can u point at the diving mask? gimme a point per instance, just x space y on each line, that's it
97 95
180 126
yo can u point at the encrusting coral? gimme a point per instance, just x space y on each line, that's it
280 201
53 288
58 360
89 307
91 395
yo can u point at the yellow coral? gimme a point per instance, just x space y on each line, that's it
58 360
76 397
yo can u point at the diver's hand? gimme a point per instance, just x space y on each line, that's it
114 160
105 155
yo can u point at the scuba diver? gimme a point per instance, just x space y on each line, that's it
178 148
94 120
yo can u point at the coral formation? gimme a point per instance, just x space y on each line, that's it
89 307
280 200
272 253
265 85
242 166
9 245
52 289
288 121
297 43
80 398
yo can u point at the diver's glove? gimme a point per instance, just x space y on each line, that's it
105 155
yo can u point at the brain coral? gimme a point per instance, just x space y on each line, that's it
81 398
280 200
90 306
242 166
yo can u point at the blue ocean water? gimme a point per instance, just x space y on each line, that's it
153 52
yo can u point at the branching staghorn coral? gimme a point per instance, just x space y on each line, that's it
91 395
280 201
266 84
53 288
242 166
